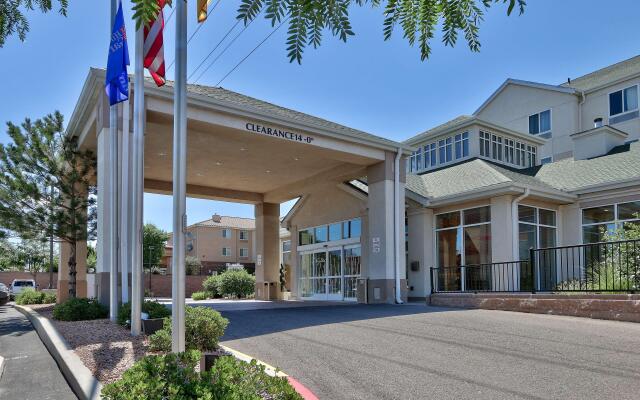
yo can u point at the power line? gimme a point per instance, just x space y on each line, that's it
222 52
215 47
194 32
251 52
173 9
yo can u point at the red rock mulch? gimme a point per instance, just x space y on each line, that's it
105 347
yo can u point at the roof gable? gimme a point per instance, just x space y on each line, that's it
529 84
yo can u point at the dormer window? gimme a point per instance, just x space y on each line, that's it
540 123
507 150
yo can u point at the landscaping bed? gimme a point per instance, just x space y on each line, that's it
106 348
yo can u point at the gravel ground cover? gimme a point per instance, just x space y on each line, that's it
105 347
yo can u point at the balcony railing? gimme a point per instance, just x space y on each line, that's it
595 267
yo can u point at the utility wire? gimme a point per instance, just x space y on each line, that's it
215 47
173 9
194 32
251 52
221 53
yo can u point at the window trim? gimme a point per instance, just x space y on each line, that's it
550 122
246 234
226 253
226 230
622 90
240 252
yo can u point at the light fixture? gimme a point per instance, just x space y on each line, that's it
268 171
296 158
162 154
243 149
218 163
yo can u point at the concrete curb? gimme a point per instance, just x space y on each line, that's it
302 390
80 379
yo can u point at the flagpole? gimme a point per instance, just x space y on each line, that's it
179 179
138 185
113 196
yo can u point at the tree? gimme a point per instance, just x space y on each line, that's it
13 19
39 158
154 241
192 265
92 259
309 19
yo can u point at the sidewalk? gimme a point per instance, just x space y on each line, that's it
29 372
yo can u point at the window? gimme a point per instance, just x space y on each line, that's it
463 238
430 158
537 229
540 122
412 165
419 159
597 221
546 160
462 145
306 237
321 234
226 233
623 101
351 229
286 246
335 232
449 149
226 251
496 142
509 155
484 144
507 150
244 252
244 235
441 152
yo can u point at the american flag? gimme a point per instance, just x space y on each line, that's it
154 47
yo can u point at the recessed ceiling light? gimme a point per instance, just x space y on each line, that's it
296 158
162 154
268 171
199 174
218 163
243 149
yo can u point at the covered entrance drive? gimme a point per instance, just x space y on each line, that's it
240 149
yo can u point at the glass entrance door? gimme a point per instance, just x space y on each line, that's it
329 274
334 274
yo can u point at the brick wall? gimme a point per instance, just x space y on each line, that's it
42 278
161 284
619 307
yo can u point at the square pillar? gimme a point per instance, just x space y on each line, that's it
381 261
268 251
62 293
103 243
504 276
421 252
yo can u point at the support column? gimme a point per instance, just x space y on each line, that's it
381 260
103 243
504 276
421 252
62 293
267 251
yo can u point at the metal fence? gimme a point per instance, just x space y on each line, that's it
595 267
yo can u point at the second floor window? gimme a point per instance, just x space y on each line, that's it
623 101
244 235
244 252
226 233
540 122
226 251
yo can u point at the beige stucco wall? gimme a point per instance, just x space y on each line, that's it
597 105
513 106
421 250
208 243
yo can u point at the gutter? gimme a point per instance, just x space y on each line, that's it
396 221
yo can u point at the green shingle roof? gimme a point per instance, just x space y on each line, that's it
440 128
606 75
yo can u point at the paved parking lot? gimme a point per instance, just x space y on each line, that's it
418 352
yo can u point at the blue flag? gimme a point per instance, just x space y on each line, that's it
117 82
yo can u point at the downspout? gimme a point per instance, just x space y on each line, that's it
514 218
396 219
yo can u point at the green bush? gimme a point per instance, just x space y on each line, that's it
236 282
199 295
49 298
203 329
161 340
211 284
29 296
77 309
151 307
173 376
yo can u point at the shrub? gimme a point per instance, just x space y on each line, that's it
236 282
77 309
153 308
192 265
199 295
211 285
203 329
29 296
173 376
49 298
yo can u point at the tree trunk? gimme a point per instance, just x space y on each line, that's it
72 269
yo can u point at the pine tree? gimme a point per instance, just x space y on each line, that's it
46 186
14 21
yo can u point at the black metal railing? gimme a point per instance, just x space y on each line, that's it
512 276
594 267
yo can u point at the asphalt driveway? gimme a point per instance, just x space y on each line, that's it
418 352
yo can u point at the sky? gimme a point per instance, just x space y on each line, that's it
381 87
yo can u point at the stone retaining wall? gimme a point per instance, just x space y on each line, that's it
619 307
